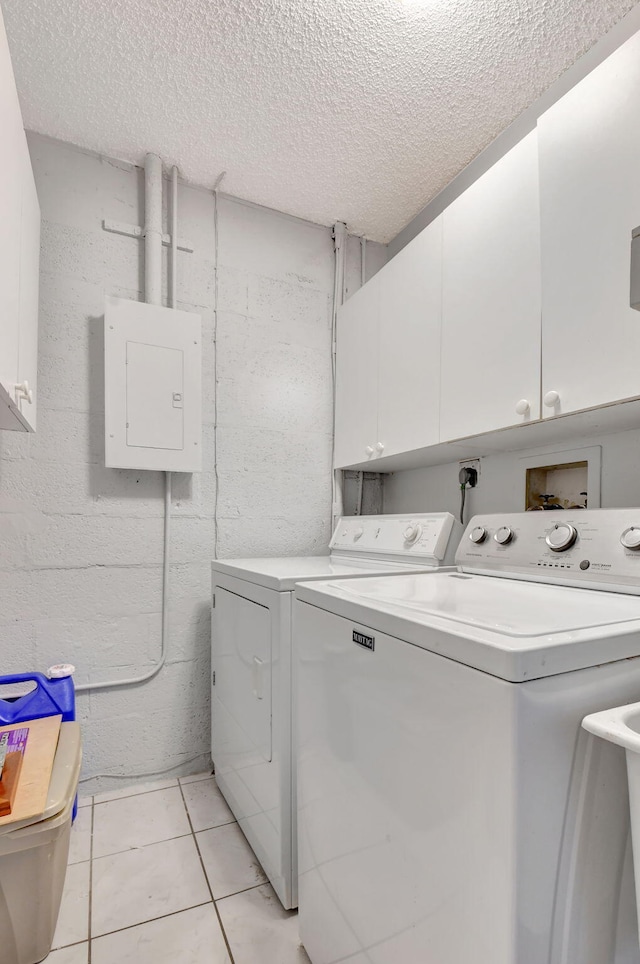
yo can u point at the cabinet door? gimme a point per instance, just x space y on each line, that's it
29 290
357 376
409 361
491 299
11 143
590 202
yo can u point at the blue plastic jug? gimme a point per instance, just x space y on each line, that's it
50 697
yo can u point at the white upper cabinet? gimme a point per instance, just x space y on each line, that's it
590 202
388 357
357 375
19 260
409 339
491 299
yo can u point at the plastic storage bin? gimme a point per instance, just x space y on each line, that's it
33 862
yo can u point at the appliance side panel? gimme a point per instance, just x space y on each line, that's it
405 800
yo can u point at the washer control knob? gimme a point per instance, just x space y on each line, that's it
523 407
562 536
504 535
380 447
413 532
358 534
369 450
478 534
551 399
630 538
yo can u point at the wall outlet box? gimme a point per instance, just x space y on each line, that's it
153 393
635 269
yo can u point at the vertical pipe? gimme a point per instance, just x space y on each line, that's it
153 229
174 238
363 260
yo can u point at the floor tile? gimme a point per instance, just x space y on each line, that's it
77 954
206 805
229 861
131 822
85 801
191 937
259 930
139 885
195 777
80 843
73 919
132 790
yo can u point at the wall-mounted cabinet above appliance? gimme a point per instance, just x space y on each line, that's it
19 260
539 342
388 356
590 204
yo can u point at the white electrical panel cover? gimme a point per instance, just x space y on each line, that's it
153 403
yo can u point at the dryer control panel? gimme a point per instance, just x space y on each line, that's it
597 548
427 538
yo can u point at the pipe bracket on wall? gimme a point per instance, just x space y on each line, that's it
134 231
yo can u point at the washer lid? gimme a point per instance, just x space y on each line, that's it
511 628
283 573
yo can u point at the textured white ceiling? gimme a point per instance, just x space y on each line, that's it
358 110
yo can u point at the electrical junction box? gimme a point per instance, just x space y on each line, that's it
635 269
153 393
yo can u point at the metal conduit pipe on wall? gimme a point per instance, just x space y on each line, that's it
153 296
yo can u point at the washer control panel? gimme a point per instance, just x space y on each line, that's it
427 538
595 547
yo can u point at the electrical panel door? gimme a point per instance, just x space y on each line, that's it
152 387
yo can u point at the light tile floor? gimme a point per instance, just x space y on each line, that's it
161 874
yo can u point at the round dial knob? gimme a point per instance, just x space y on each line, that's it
504 535
562 536
358 534
630 538
380 447
478 534
369 450
551 399
413 532
523 407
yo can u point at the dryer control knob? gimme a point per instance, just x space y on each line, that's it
504 535
380 447
523 407
551 399
478 534
413 532
358 534
369 450
630 538
562 536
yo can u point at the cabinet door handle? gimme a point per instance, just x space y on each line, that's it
551 399
23 391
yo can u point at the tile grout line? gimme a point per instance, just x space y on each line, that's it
90 885
154 843
139 793
215 907
151 920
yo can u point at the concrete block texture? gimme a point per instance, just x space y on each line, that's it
80 544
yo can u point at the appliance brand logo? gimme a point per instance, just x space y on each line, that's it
369 642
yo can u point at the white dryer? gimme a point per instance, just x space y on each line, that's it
252 667
450 808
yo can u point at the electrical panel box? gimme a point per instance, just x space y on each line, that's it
635 269
153 395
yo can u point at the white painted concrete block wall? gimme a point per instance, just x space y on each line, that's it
81 545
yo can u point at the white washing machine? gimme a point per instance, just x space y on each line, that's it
450 808
251 667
